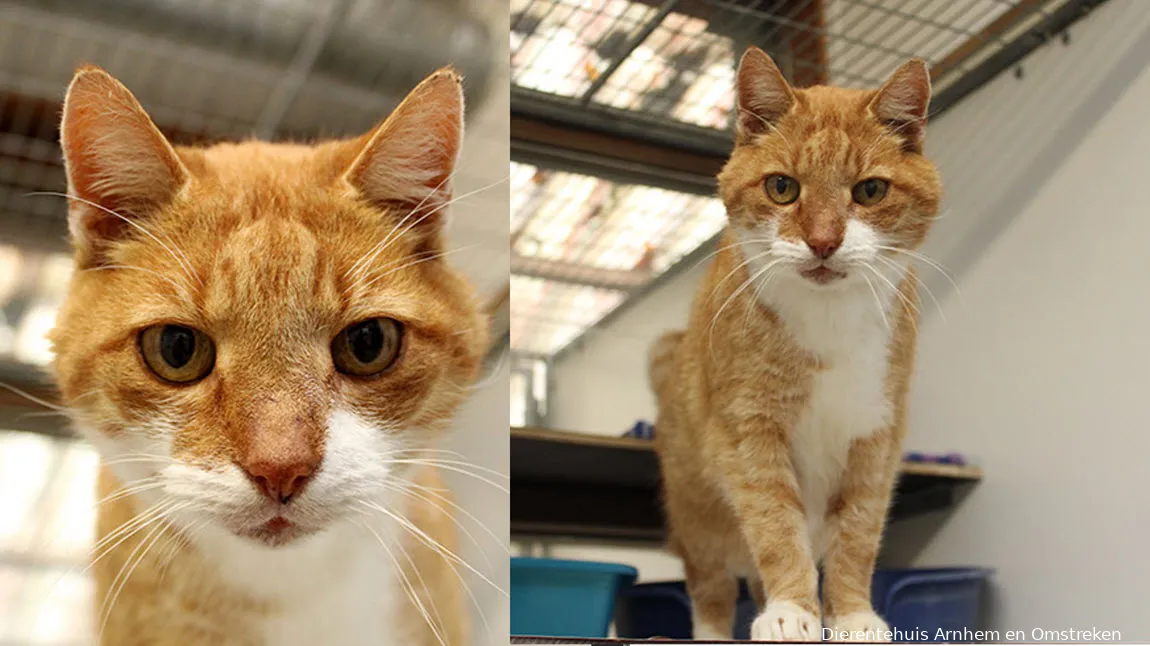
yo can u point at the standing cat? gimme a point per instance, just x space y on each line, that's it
782 406
263 343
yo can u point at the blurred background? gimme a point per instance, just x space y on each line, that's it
1029 397
209 69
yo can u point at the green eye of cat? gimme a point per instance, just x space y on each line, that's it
177 353
368 347
782 189
870 191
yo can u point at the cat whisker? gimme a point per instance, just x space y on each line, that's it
181 542
463 463
455 570
730 246
431 543
896 130
746 261
934 264
97 551
67 414
408 588
735 294
768 124
877 302
423 583
147 484
390 239
906 303
149 541
417 262
448 466
492 374
751 302
382 244
919 281
180 288
414 490
33 398
128 528
180 259
894 289
455 454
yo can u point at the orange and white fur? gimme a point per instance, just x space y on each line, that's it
782 406
264 344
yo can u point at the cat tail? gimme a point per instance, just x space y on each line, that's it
660 366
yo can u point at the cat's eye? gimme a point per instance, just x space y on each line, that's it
782 189
870 191
368 347
177 353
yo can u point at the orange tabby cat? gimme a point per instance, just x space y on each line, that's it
782 406
262 342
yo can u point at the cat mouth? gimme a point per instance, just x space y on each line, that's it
275 532
822 275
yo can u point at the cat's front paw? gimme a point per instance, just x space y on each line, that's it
783 621
863 626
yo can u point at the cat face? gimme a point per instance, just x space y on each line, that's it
829 185
262 337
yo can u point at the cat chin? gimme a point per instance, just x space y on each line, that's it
276 537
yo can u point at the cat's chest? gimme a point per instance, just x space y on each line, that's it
848 397
357 610
342 589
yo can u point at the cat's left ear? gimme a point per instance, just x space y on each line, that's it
406 163
902 103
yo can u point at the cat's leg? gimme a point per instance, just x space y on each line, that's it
702 531
761 483
855 519
713 591
758 595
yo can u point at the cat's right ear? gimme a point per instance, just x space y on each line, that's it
406 164
120 167
763 95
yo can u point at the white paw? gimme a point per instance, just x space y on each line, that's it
702 630
857 627
783 621
705 633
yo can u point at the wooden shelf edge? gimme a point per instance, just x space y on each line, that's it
958 472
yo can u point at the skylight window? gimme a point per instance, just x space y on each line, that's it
582 244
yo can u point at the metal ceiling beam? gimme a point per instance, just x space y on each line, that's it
622 128
642 35
294 78
577 274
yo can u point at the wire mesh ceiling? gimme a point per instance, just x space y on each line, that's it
675 59
670 64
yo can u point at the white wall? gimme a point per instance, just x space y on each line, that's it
1037 373
600 386
1040 371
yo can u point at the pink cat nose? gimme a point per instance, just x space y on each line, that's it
281 480
823 247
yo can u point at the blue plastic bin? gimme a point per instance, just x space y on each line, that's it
916 602
653 610
927 600
557 598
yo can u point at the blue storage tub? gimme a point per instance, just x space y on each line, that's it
663 610
557 598
927 600
916 602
